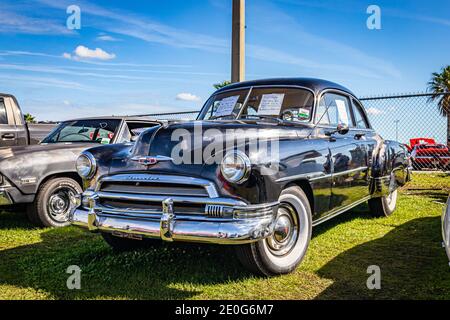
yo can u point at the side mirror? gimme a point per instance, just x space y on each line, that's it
342 129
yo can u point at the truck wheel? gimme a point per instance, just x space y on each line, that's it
123 244
53 202
384 206
282 252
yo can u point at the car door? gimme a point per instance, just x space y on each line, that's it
7 124
348 155
367 138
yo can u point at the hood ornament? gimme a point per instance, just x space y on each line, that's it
150 160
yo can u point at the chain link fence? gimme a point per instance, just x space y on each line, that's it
412 119
416 121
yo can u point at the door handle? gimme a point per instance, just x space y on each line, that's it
8 136
358 136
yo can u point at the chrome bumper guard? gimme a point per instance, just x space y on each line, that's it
5 198
240 224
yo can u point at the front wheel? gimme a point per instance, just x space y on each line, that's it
53 202
384 206
282 252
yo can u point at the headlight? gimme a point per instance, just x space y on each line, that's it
236 167
86 165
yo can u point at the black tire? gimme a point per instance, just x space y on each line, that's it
53 190
261 257
119 244
384 206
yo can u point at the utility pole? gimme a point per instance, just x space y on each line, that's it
238 42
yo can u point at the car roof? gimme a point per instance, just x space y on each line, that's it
316 85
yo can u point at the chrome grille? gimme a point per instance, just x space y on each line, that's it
143 194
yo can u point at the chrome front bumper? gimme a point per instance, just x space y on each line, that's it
243 224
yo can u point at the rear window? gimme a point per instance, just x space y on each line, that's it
3 117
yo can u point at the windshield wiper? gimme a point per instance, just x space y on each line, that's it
280 121
217 117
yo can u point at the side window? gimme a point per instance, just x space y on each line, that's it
334 109
360 118
3 116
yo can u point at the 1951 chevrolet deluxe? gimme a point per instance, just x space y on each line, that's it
265 161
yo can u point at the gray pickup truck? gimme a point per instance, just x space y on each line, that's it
14 131
44 176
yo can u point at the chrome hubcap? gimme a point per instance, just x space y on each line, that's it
286 231
59 204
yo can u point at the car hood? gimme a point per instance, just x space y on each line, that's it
191 136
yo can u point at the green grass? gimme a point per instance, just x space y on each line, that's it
406 246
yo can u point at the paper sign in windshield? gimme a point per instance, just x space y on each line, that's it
342 110
271 104
303 114
226 106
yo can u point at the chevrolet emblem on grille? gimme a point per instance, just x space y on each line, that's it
151 161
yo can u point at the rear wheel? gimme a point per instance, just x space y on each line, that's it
282 252
384 206
53 203
121 244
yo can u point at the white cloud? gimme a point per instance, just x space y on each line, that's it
374 111
105 37
187 97
86 53
67 55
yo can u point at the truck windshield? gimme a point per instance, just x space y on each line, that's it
95 131
290 104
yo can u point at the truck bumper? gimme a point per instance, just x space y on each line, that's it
249 224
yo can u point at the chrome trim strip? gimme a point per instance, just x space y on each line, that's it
307 176
320 175
343 173
340 211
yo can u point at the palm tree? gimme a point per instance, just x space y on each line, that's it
439 86
222 84
29 118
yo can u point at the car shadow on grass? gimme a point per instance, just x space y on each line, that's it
412 262
165 271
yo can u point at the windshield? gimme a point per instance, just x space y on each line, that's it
291 104
95 131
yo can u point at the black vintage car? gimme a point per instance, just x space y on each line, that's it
44 176
265 162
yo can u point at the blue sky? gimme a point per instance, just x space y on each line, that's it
164 56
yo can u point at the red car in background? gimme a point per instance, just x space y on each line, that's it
427 154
